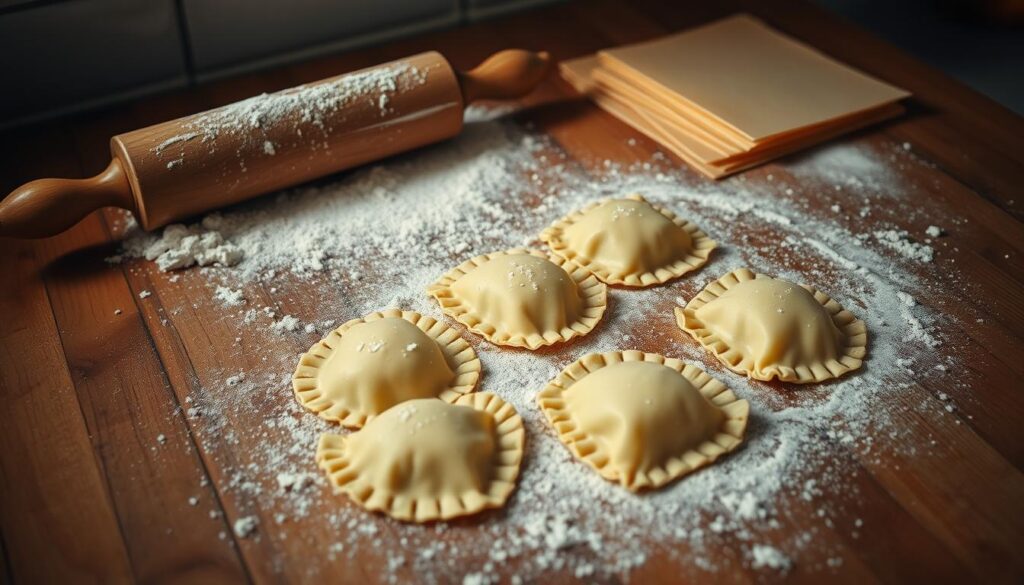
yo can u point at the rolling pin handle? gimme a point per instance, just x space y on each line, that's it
47 207
505 75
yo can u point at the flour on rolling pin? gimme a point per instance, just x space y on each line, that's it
249 121
180 168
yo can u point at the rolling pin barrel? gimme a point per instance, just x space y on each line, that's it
187 166
269 142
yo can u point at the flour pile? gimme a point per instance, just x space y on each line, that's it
375 238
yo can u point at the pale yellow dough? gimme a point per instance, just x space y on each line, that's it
640 419
768 328
426 459
368 365
629 241
522 298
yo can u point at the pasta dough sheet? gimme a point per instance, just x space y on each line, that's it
751 78
732 124
716 151
577 72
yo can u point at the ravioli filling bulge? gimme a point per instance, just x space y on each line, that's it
380 363
644 413
522 294
426 448
774 322
628 237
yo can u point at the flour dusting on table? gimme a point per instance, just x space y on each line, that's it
320 255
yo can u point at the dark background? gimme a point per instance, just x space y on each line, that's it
62 56
979 43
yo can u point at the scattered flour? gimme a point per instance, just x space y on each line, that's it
286 323
229 297
246 526
182 246
294 482
899 240
378 236
915 330
764 556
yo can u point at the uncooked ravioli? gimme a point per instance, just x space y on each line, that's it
768 328
369 365
629 241
640 419
522 298
426 459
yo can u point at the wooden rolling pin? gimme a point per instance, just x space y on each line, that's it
184 167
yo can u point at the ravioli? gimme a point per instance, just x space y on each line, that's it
427 459
768 328
522 298
368 365
629 242
640 419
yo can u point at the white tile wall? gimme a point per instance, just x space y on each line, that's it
71 55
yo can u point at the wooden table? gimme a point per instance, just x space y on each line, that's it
87 497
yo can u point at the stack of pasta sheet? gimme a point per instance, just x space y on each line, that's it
732 94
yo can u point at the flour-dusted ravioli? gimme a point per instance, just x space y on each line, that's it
641 419
629 241
368 365
522 298
426 459
767 328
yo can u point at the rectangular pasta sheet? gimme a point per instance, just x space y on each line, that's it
755 81
732 94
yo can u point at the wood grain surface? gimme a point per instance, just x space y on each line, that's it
87 495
